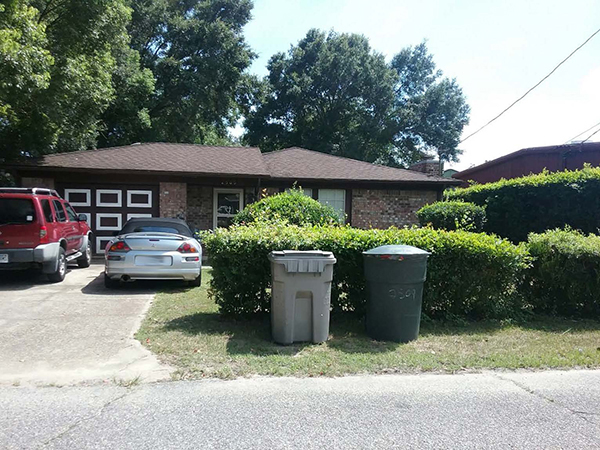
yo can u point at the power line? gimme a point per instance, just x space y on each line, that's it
590 136
575 137
536 85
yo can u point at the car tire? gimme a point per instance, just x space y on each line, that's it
61 267
196 282
109 283
86 259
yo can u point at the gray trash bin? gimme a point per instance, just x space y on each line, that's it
301 295
395 275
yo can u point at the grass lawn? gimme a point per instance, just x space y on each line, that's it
185 330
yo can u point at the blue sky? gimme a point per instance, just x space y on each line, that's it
495 49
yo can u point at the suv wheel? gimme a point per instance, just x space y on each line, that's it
109 283
85 260
61 267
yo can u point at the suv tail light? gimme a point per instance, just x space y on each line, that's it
44 238
187 248
119 246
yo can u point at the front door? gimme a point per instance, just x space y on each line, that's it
226 203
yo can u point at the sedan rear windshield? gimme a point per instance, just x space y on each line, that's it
156 228
16 211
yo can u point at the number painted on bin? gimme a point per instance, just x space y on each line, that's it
403 293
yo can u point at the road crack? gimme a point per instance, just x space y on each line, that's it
579 414
77 423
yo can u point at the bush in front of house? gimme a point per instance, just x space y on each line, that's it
537 203
453 215
470 275
292 207
565 276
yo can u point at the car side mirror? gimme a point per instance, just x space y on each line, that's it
81 218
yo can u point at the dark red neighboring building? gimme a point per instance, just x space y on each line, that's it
534 160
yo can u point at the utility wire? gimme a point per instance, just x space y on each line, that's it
590 135
575 137
536 85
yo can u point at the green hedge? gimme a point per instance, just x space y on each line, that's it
292 206
565 277
453 216
537 203
469 275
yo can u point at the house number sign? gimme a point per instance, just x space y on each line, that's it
401 294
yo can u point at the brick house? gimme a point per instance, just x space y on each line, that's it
207 185
553 158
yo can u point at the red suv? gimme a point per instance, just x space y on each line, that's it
40 230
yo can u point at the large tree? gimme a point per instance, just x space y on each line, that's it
431 111
197 53
70 56
333 94
329 93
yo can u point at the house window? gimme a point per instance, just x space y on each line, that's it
308 191
336 198
226 203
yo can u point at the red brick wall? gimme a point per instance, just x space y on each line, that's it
427 167
173 200
200 207
384 208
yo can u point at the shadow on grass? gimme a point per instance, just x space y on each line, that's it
250 336
347 334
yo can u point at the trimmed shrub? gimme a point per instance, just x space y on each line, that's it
537 203
469 275
565 277
292 207
453 216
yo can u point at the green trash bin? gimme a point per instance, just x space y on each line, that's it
395 275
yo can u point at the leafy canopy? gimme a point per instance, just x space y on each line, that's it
333 94
330 93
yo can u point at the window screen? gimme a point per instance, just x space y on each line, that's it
336 198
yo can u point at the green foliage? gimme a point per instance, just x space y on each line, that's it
329 93
25 64
334 94
469 275
292 207
431 111
453 216
565 277
537 203
66 57
197 54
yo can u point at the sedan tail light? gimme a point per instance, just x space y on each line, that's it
187 248
119 246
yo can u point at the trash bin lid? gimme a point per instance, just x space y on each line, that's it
396 252
311 261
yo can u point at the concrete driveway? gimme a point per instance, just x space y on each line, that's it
74 331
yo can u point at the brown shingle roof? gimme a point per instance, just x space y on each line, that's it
292 163
299 163
163 157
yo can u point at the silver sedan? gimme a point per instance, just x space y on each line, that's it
153 249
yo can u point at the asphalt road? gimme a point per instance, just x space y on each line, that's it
73 331
489 410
